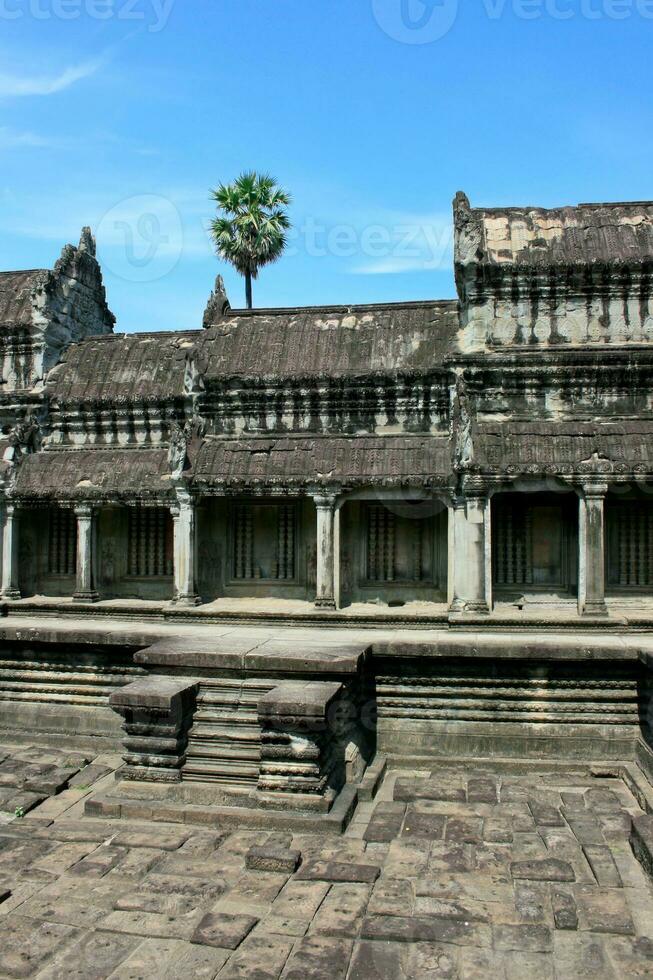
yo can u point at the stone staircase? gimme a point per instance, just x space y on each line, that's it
224 744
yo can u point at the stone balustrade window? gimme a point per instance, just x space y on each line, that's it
396 546
630 545
151 552
62 543
264 538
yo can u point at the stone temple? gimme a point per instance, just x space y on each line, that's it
350 610
431 521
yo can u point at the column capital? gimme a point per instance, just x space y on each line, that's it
325 501
84 509
594 489
474 487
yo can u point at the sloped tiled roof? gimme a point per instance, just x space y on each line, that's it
582 235
94 473
15 295
295 461
313 342
132 367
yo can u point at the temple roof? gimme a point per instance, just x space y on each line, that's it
93 473
587 234
124 367
16 295
383 461
334 341
311 342
566 447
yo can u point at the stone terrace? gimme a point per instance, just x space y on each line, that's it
510 872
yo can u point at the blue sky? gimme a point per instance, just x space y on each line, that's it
123 113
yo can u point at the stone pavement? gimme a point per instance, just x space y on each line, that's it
461 873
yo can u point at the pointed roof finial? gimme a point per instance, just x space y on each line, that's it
217 305
87 241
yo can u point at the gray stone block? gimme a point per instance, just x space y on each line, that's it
277 859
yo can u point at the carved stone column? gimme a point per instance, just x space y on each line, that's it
10 529
85 585
185 551
470 584
591 559
326 553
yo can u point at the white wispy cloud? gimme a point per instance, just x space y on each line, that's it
11 139
16 86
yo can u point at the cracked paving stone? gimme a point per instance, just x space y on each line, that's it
549 869
93 957
223 930
545 815
482 790
338 872
208 889
153 902
259 958
532 901
565 913
300 899
448 856
414 790
407 859
341 912
464 830
26 943
170 959
397 961
600 860
283 925
391 896
161 841
630 957
529 937
425 928
497 830
89 775
153 924
99 862
423 824
603 910
319 958
581 957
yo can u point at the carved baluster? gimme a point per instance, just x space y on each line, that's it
72 543
649 549
290 542
418 547
281 543
249 543
623 547
371 544
390 545
133 542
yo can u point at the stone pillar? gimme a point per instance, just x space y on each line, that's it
301 766
326 554
157 714
85 585
591 559
470 585
185 551
10 588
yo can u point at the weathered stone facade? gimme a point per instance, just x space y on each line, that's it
497 448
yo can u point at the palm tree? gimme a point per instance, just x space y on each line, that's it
250 230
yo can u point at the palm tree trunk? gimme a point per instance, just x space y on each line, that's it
248 289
